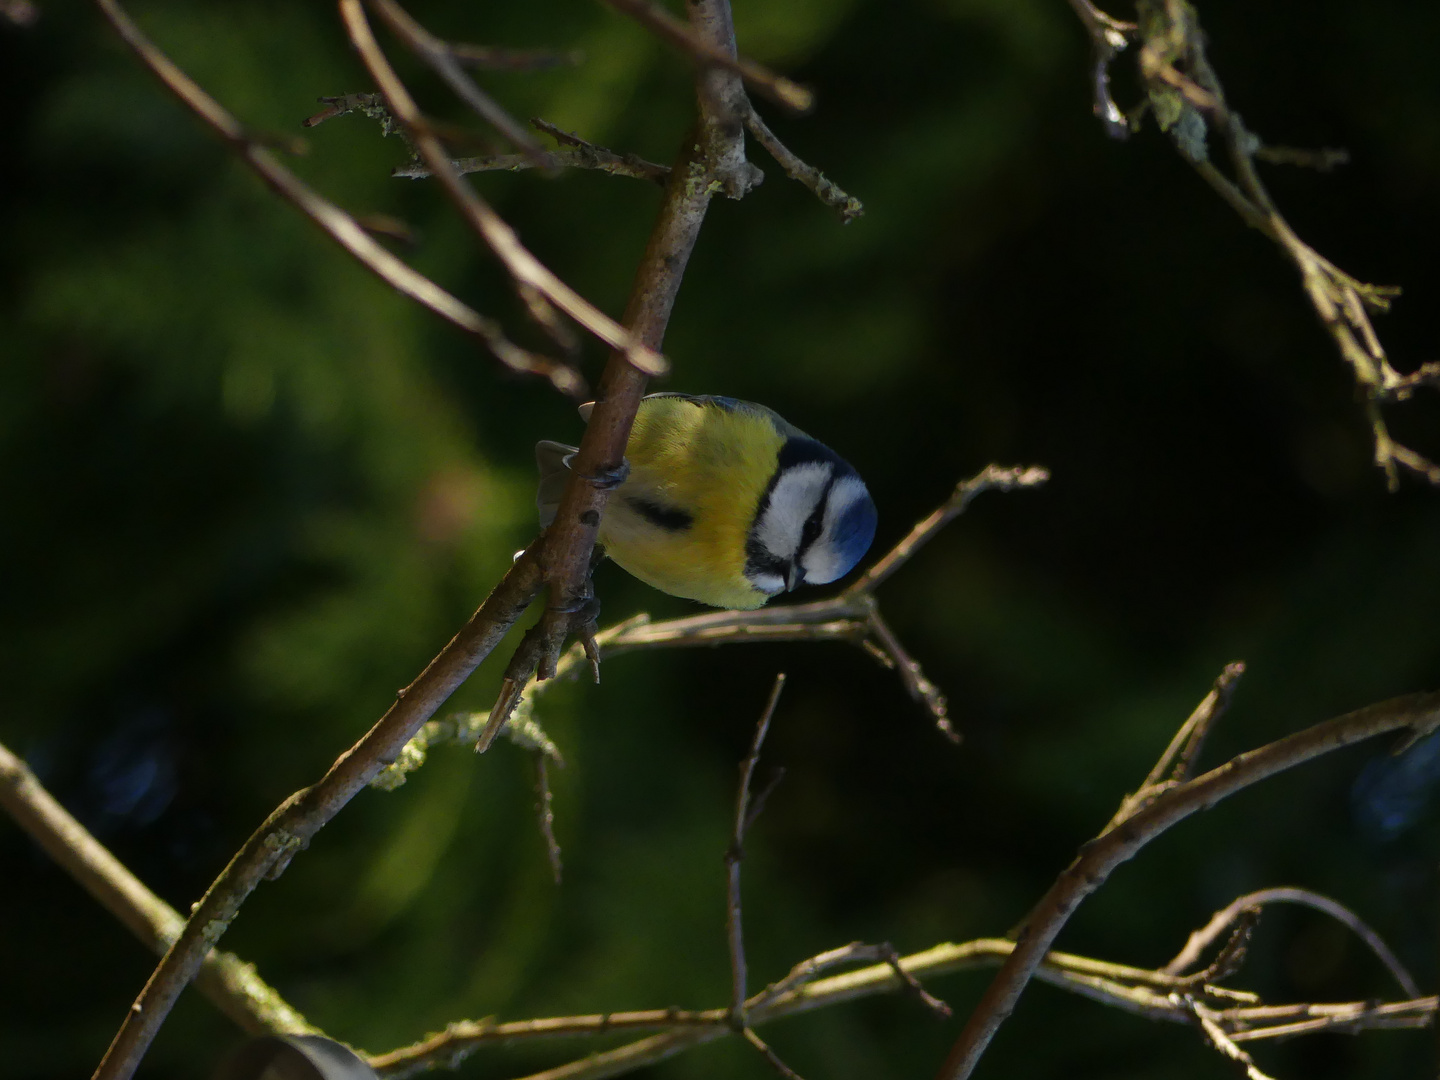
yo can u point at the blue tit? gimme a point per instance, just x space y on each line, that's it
724 502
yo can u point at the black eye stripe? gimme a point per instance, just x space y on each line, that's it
669 518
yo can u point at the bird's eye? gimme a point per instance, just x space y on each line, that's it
810 531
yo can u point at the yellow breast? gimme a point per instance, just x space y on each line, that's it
710 463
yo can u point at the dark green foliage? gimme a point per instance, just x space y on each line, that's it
246 493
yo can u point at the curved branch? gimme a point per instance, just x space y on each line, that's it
1098 857
1200 940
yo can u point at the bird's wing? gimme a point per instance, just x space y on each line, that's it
716 401
553 459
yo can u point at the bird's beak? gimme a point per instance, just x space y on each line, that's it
793 577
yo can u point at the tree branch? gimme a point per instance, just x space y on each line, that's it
1117 843
1188 101
291 826
713 161
527 270
708 52
1153 995
339 225
574 153
232 985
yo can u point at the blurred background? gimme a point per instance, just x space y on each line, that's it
246 492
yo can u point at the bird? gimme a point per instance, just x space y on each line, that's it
724 502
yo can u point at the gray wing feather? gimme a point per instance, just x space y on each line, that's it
553 459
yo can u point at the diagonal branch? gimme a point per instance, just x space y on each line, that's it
1098 857
446 61
339 225
234 986
527 270
712 161
708 52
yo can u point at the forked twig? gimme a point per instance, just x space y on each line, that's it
446 61
1201 939
1185 95
339 225
522 266
1120 841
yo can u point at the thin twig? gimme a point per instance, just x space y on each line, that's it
489 58
291 825
232 985
990 478
1186 96
1322 160
1230 958
1108 39
522 266
1201 939
442 58
581 157
1100 856
736 852
912 984
770 1055
1150 994
339 225
826 190
1178 760
545 811
708 52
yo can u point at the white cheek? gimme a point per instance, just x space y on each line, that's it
794 498
822 565
770 584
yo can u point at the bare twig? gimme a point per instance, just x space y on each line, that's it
487 224
1222 1042
736 852
1178 760
826 190
990 478
1098 857
232 985
1322 160
340 226
1151 994
912 984
545 810
1188 101
707 52
1108 39
1201 939
291 826
769 1055
442 57
574 153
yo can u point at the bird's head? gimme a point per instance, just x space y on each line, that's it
814 523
